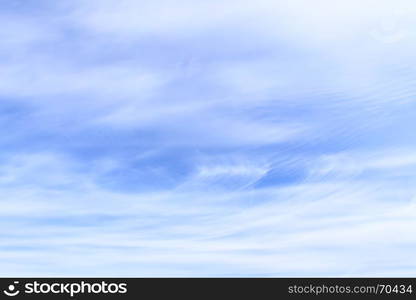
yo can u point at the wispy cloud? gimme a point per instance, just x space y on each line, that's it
191 138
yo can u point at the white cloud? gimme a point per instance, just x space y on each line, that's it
285 79
306 229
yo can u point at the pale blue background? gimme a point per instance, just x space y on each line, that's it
207 138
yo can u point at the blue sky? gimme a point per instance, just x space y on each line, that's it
207 138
